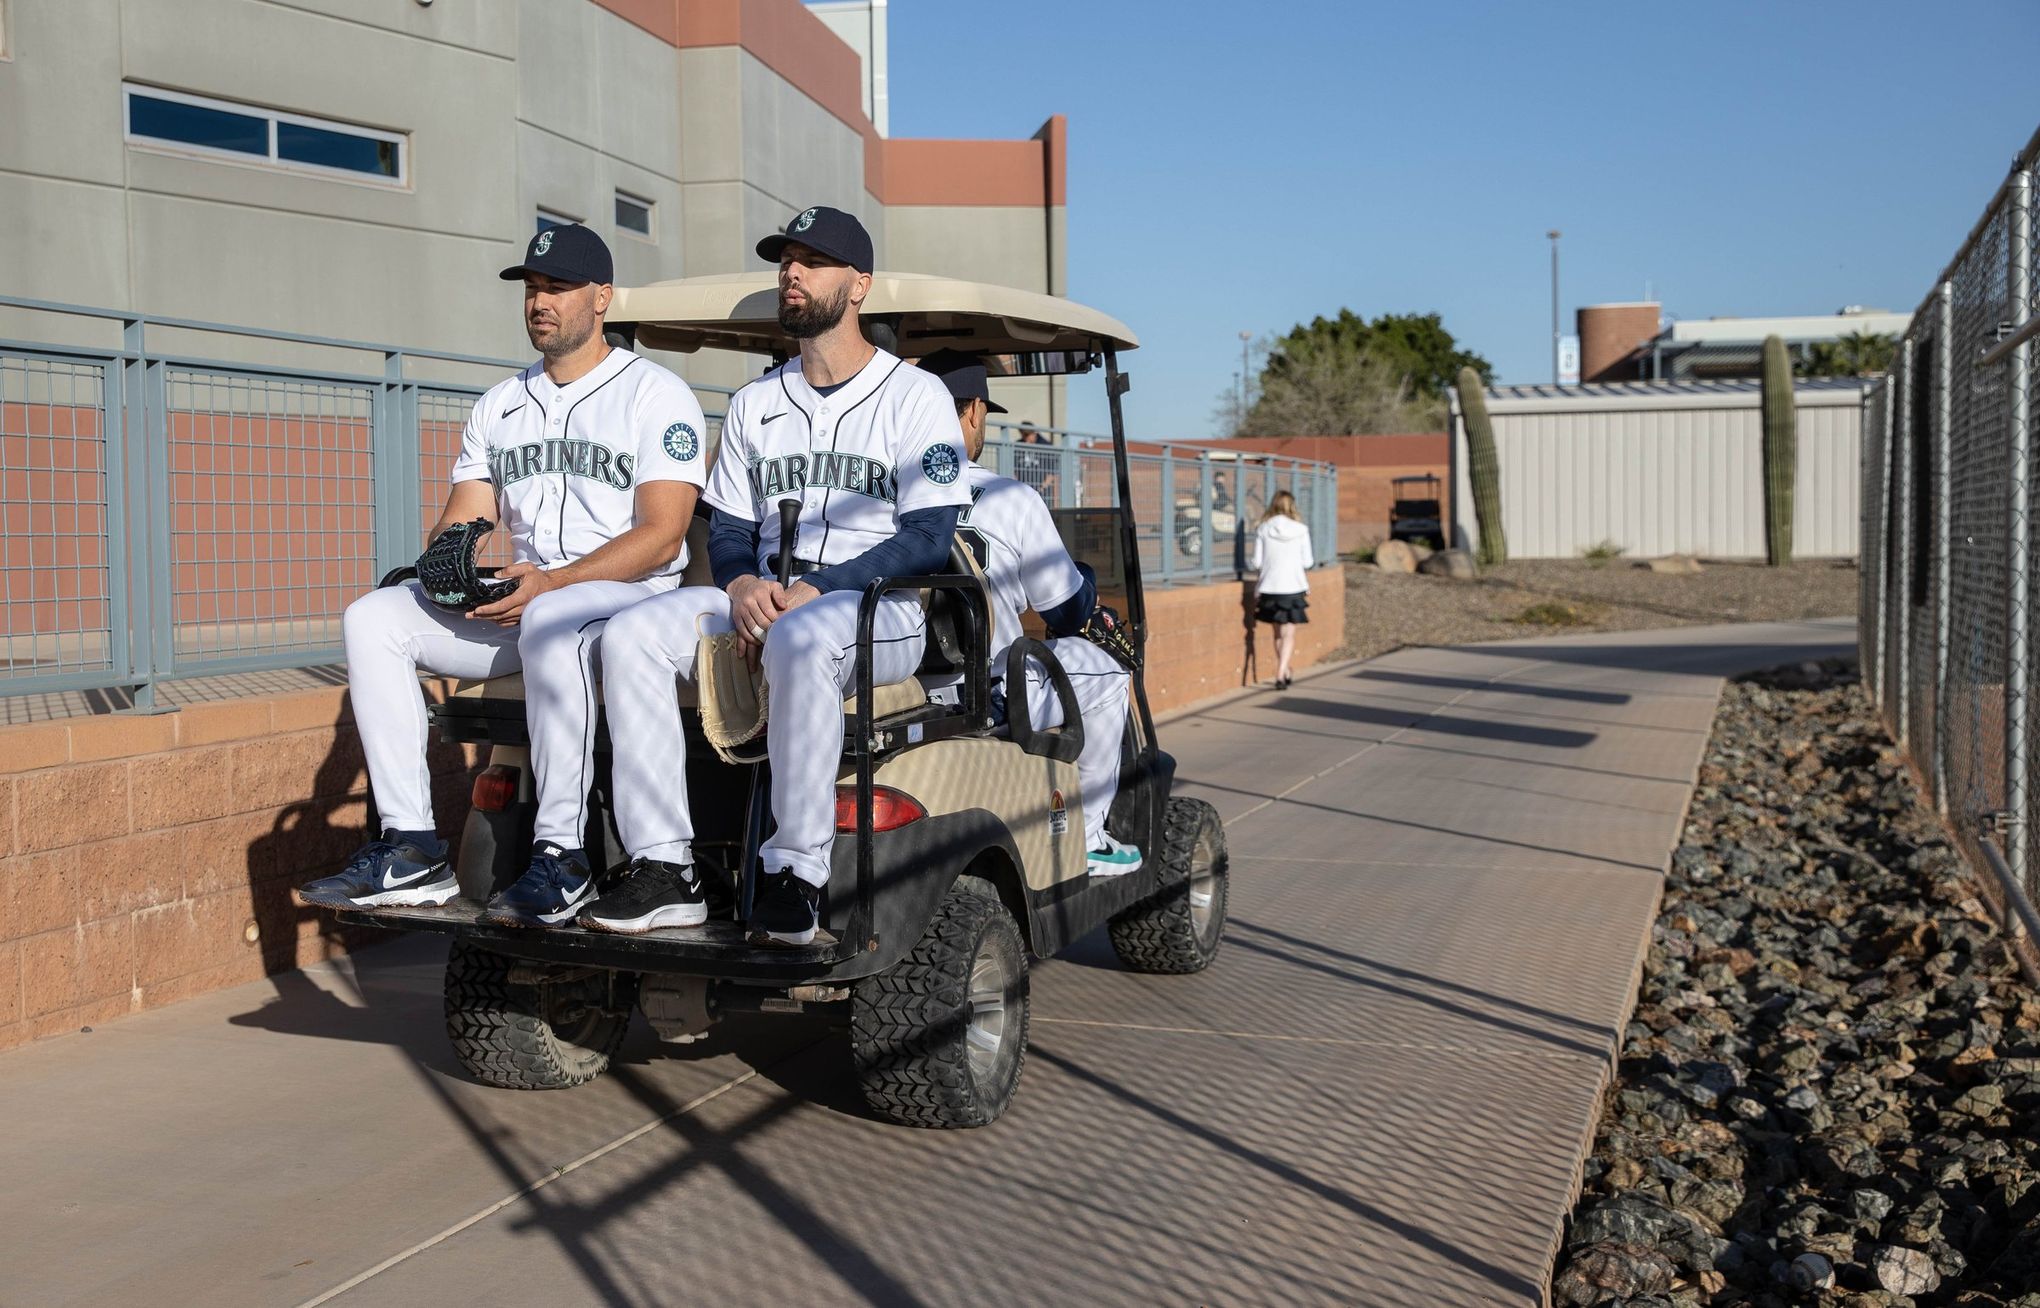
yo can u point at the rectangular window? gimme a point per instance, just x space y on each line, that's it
547 218
228 130
634 215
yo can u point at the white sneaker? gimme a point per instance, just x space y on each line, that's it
1114 860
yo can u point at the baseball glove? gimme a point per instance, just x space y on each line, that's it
447 569
1109 632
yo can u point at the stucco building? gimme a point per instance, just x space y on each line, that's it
362 168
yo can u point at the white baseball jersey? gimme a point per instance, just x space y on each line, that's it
566 461
882 444
1009 529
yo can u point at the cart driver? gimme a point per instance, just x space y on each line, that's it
1010 531
869 446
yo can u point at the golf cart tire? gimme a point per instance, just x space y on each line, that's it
910 1026
504 1035
1178 928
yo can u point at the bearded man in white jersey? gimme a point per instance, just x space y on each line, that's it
592 458
1010 531
870 448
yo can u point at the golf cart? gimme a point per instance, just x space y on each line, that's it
1413 514
960 850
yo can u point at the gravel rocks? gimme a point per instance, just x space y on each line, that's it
1386 611
1829 1091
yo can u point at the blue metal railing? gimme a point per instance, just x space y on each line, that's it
167 515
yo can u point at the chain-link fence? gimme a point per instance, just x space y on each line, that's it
165 516
1947 558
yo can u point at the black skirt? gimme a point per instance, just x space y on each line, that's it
1283 608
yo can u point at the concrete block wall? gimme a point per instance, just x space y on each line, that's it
144 860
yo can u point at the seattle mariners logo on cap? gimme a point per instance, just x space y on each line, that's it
941 464
543 243
805 221
681 442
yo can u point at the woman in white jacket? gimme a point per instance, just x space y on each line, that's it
1282 553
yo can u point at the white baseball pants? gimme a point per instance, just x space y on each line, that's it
1100 685
810 667
393 632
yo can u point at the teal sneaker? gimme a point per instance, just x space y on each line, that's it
1114 860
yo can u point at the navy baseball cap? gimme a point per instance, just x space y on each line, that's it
964 375
567 253
826 231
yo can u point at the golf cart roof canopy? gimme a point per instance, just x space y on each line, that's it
740 311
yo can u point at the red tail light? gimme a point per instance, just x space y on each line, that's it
496 788
890 810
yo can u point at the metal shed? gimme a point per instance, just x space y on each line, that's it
1661 468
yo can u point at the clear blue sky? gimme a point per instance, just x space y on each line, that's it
1245 167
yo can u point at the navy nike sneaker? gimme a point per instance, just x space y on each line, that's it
785 910
556 887
398 871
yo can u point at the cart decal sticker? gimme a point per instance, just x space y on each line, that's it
1058 814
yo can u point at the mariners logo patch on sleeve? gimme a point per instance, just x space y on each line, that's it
941 464
681 442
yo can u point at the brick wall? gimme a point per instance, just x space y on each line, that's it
1197 644
145 860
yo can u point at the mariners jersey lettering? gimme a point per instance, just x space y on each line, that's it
566 461
884 443
1010 530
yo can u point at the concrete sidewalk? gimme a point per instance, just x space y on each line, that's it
1445 867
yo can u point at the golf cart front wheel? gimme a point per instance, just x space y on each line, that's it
529 1035
1177 929
939 1039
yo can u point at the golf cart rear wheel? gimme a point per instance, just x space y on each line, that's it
526 1036
939 1039
1177 929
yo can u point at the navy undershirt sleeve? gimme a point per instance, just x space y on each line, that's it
919 548
1068 618
732 548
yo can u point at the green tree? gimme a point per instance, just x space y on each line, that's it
1348 376
1859 354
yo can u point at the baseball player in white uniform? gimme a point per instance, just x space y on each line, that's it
870 448
592 457
1010 531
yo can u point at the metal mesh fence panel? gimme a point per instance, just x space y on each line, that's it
1978 510
1870 555
57 605
272 513
442 418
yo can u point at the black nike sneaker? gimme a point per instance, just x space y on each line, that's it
554 889
653 895
785 911
397 871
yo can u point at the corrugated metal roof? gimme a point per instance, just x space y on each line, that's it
1698 386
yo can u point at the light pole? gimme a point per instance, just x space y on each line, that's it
1553 235
1245 337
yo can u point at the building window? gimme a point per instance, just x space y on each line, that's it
547 218
223 129
634 215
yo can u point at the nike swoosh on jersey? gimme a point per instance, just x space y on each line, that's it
512 409
390 882
770 417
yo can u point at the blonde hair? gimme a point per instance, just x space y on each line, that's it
1283 505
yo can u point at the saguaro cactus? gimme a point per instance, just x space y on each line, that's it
1481 468
1781 452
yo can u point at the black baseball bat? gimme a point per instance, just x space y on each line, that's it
789 524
